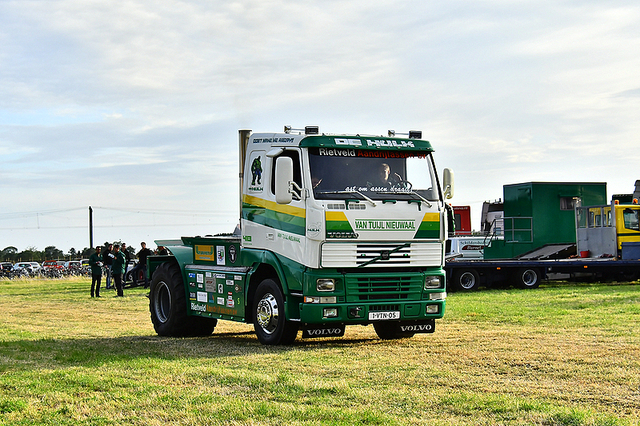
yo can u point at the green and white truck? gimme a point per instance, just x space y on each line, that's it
334 230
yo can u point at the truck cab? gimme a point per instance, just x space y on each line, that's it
334 230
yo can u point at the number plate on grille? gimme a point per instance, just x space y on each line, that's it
376 316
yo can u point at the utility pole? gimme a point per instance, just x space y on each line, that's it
90 227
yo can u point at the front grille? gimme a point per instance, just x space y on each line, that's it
368 252
381 255
384 308
361 288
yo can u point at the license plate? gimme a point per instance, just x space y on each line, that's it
377 316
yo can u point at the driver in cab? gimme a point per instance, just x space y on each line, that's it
384 180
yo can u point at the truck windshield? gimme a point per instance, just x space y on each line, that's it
339 174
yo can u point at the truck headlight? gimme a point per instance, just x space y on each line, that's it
325 284
432 281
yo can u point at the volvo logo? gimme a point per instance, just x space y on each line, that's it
323 331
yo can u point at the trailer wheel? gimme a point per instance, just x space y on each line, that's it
391 331
269 322
168 305
466 280
528 278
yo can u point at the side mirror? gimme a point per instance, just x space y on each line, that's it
447 180
284 177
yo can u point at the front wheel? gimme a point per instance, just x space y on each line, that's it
270 324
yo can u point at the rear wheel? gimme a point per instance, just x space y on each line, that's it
528 278
168 305
466 280
391 331
270 324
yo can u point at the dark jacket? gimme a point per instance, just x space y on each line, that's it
106 259
119 263
95 261
143 254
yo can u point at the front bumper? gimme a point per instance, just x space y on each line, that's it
366 313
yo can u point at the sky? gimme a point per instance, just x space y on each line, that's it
133 107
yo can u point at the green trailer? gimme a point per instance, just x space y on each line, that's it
541 213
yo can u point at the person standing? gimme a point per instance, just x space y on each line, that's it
117 268
125 251
127 255
95 262
142 263
107 259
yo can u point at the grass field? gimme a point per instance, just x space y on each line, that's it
561 355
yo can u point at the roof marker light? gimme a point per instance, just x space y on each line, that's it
413 134
308 130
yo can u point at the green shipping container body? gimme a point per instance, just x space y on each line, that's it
541 213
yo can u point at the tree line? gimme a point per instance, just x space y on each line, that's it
32 254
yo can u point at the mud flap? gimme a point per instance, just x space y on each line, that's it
322 330
424 326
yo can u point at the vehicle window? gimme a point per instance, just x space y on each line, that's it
569 203
297 174
631 219
338 174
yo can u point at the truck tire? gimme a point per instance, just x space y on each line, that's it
168 305
270 324
466 280
391 331
528 278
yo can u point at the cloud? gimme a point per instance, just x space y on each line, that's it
139 102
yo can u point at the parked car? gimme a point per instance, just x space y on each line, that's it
22 269
53 264
129 279
6 266
24 265
72 264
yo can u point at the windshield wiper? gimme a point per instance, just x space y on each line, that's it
412 192
421 197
